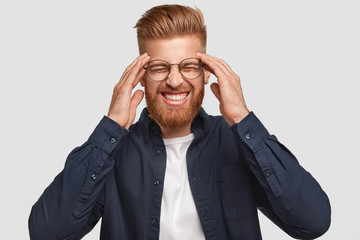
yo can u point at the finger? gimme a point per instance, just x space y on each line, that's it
141 72
139 76
133 75
135 101
220 69
128 69
142 56
137 72
216 90
213 66
219 62
209 69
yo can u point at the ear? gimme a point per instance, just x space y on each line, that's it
206 76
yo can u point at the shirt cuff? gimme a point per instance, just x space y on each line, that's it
107 134
250 130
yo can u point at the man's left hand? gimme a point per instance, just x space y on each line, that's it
227 90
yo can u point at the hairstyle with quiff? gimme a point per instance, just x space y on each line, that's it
169 21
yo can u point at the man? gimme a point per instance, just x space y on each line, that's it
179 173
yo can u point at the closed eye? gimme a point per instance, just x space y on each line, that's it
191 67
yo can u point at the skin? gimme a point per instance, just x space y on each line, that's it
174 51
227 89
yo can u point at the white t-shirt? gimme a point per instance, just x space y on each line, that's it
179 218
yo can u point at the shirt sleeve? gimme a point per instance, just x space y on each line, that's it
286 192
68 207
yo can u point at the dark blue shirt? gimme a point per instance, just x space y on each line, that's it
118 175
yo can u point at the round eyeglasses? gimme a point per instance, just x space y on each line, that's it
159 70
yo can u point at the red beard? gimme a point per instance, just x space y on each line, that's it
174 117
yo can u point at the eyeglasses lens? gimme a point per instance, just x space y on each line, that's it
158 70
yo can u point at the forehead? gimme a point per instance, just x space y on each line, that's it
173 50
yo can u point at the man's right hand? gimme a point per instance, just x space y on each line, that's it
123 107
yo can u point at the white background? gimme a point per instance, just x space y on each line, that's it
298 62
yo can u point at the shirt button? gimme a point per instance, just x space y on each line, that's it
248 136
112 140
194 178
267 173
153 127
156 182
153 221
93 177
146 140
158 152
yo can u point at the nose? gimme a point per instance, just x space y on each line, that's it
175 79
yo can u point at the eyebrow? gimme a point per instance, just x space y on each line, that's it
157 59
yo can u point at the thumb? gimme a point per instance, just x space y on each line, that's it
216 90
136 99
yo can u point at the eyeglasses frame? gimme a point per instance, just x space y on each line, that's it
178 64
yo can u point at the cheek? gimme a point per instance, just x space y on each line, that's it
151 87
198 85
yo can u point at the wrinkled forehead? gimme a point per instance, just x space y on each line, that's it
184 62
173 50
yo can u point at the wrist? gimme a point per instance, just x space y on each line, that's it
238 117
117 120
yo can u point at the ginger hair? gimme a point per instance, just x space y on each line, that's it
170 21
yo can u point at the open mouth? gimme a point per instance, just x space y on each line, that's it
175 99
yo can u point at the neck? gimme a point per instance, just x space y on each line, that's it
168 132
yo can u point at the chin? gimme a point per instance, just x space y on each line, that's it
174 116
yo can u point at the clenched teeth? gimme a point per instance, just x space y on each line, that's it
175 97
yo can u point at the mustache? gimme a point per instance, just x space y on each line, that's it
167 88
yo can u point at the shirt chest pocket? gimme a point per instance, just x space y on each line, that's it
236 192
